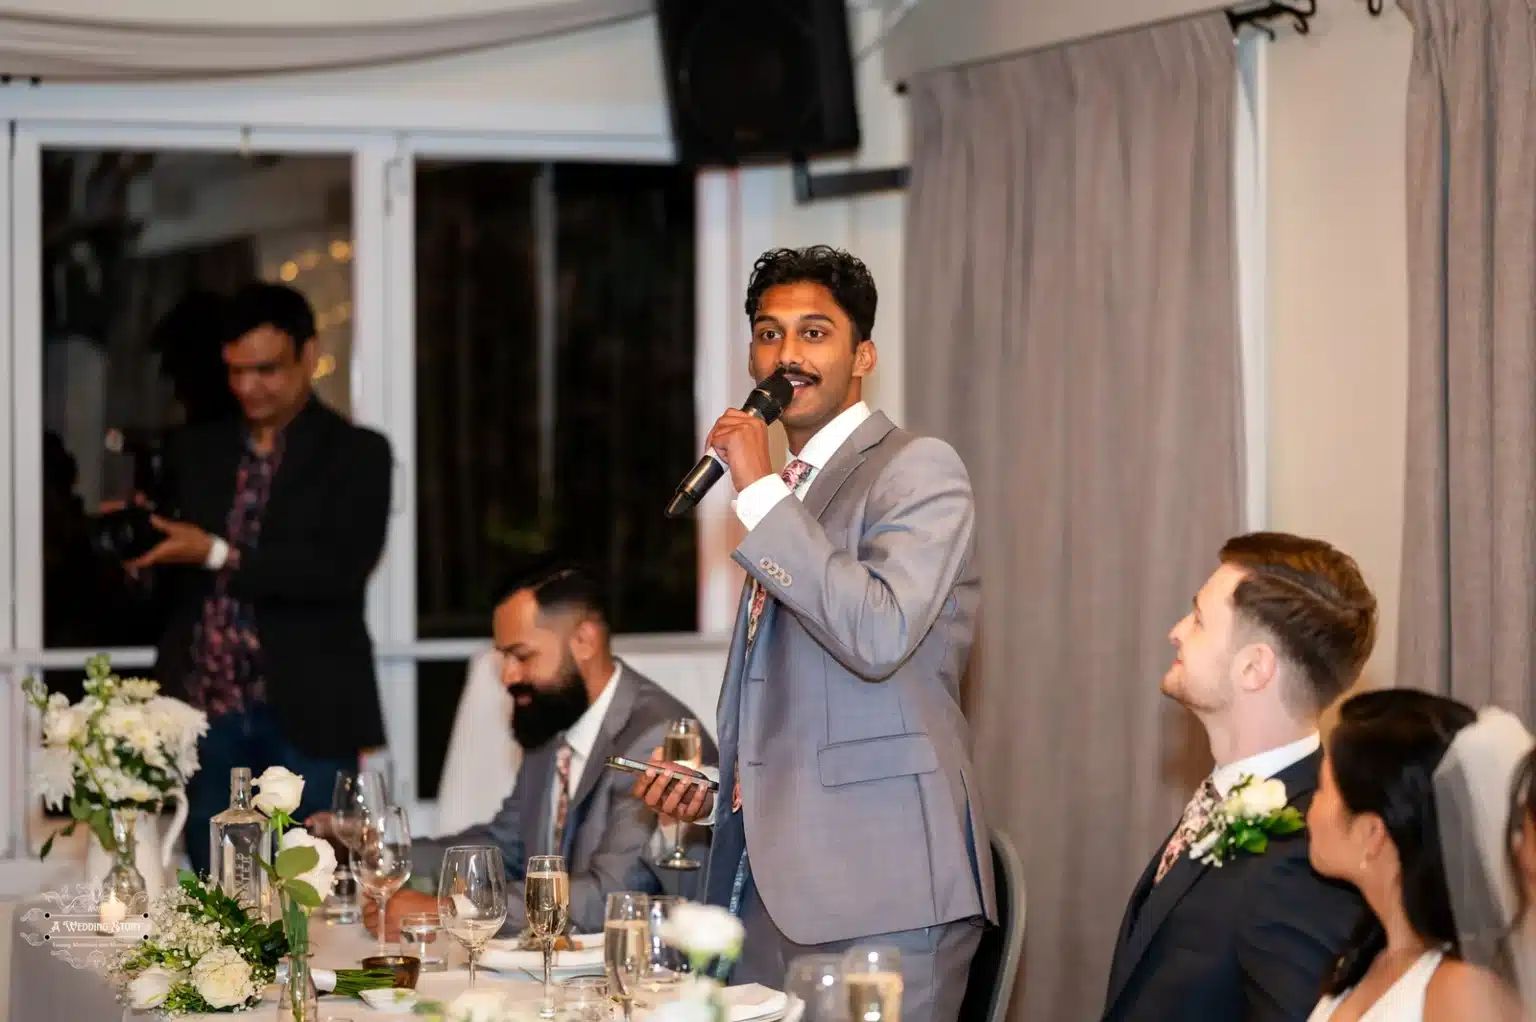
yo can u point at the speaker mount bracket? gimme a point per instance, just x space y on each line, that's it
810 187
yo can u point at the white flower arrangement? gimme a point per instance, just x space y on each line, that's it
1251 814
711 938
305 866
205 954
122 746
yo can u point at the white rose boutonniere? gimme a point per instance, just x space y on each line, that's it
1251 814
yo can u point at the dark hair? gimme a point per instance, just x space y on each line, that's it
274 305
848 279
1312 600
556 584
1383 754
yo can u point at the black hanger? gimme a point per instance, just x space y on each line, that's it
1300 12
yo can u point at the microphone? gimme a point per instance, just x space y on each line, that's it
767 402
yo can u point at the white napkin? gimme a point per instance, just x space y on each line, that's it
325 979
754 1001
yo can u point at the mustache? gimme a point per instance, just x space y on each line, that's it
800 374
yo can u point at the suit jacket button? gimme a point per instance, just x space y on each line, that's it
766 565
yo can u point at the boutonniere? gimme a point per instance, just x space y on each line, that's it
1252 813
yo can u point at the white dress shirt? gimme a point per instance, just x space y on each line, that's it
753 503
581 736
1264 765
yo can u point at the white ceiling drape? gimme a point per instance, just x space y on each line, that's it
75 44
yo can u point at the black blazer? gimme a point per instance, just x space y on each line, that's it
322 533
1251 941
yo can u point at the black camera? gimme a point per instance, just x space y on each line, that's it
125 534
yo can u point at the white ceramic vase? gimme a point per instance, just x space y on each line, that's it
152 852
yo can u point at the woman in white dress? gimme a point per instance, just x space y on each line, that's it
1373 825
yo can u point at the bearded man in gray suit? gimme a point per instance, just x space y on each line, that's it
848 807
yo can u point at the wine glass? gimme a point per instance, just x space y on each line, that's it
384 859
683 744
872 981
817 982
547 897
626 946
353 796
472 897
668 965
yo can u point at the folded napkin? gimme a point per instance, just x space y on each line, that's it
753 1001
325 979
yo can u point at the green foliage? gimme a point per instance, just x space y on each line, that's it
258 943
350 982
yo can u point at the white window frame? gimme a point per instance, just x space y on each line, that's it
383 392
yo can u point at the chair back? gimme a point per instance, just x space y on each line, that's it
995 968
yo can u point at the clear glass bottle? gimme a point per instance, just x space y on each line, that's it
240 839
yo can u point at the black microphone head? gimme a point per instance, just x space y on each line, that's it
770 396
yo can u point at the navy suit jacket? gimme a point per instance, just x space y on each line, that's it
1249 941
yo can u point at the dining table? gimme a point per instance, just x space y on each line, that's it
57 972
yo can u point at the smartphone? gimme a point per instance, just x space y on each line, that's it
636 767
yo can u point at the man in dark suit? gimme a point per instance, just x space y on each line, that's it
276 520
1280 630
574 705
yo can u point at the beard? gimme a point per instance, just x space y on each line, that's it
548 711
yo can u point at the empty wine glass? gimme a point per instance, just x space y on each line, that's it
872 981
817 982
354 795
472 897
384 859
547 898
626 946
668 964
682 743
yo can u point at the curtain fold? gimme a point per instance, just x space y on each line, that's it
1071 294
90 49
1468 604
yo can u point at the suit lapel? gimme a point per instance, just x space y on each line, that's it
604 746
847 458
1140 927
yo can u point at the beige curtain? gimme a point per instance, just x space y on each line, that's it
1468 620
1072 322
115 47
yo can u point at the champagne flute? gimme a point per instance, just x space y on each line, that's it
472 897
817 982
872 980
626 946
683 744
384 859
547 897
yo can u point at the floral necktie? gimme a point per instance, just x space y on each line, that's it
793 475
1195 816
563 796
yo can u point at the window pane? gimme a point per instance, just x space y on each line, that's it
135 244
571 437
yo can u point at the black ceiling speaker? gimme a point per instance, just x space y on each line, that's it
758 80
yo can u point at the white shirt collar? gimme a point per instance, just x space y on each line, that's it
819 449
1264 765
582 735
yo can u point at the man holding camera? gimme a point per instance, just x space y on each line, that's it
275 521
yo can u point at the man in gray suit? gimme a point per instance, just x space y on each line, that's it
574 705
848 810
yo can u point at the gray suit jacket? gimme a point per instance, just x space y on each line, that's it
607 829
860 806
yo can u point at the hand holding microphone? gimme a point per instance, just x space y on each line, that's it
738 441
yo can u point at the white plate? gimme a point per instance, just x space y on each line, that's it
755 1003
390 1001
507 956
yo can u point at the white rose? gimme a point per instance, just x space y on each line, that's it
150 987
703 930
223 978
478 1006
324 872
280 788
1260 799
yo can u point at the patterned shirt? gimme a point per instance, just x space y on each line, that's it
226 651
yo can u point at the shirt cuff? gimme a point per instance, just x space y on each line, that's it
754 503
218 555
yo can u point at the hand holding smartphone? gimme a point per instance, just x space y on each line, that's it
673 770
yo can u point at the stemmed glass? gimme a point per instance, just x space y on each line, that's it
872 980
547 898
683 744
472 897
817 982
353 796
626 946
384 859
